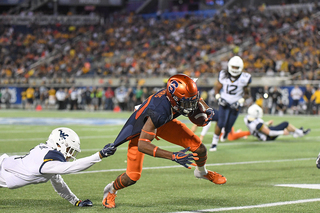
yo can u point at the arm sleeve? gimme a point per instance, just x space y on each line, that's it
57 167
62 189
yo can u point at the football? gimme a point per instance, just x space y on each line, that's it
199 116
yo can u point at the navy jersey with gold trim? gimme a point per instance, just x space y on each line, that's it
157 107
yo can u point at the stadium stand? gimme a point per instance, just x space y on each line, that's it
94 49
135 46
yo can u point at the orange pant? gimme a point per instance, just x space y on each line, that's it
174 132
236 135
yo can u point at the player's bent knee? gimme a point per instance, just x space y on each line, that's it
134 177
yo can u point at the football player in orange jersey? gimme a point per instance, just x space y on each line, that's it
156 118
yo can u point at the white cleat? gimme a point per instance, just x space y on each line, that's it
106 190
213 148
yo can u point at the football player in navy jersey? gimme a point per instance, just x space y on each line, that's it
48 162
231 89
266 131
154 119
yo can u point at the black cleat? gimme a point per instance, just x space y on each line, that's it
305 132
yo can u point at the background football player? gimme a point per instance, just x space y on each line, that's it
230 90
48 162
156 118
266 131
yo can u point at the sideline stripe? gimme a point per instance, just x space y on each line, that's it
44 139
62 121
48 129
213 164
254 206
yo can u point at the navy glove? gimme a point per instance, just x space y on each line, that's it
182 158
210 114
222 102
85 203
235 105
108 150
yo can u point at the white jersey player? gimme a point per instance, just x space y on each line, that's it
48 162
231 89
265 131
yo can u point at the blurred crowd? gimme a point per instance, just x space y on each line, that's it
88 98
273 100
133 46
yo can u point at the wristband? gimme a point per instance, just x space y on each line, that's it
217 96
150 133
146 140
154 151
77 203
241 101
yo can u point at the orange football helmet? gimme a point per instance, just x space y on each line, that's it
183 94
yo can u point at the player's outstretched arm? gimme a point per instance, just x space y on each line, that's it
64 191
145 146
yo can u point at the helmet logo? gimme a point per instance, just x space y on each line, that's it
173 86
63 135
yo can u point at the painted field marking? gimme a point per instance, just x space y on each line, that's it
213 164
254 206
302 186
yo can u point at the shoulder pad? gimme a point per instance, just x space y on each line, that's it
54 155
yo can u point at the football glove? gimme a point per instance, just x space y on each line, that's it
184 159
222 102
85 203
210 114
108 150
235 106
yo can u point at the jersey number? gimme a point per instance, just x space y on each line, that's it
231 89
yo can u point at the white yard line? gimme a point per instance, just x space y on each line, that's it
48 129
254 206
213 164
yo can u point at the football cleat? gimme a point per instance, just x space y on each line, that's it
305 132
108 197
213 148
214 177
318 161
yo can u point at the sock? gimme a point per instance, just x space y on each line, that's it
205 129
113 191
202 169
299 131
117 184
215 139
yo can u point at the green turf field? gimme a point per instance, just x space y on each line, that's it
253 170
